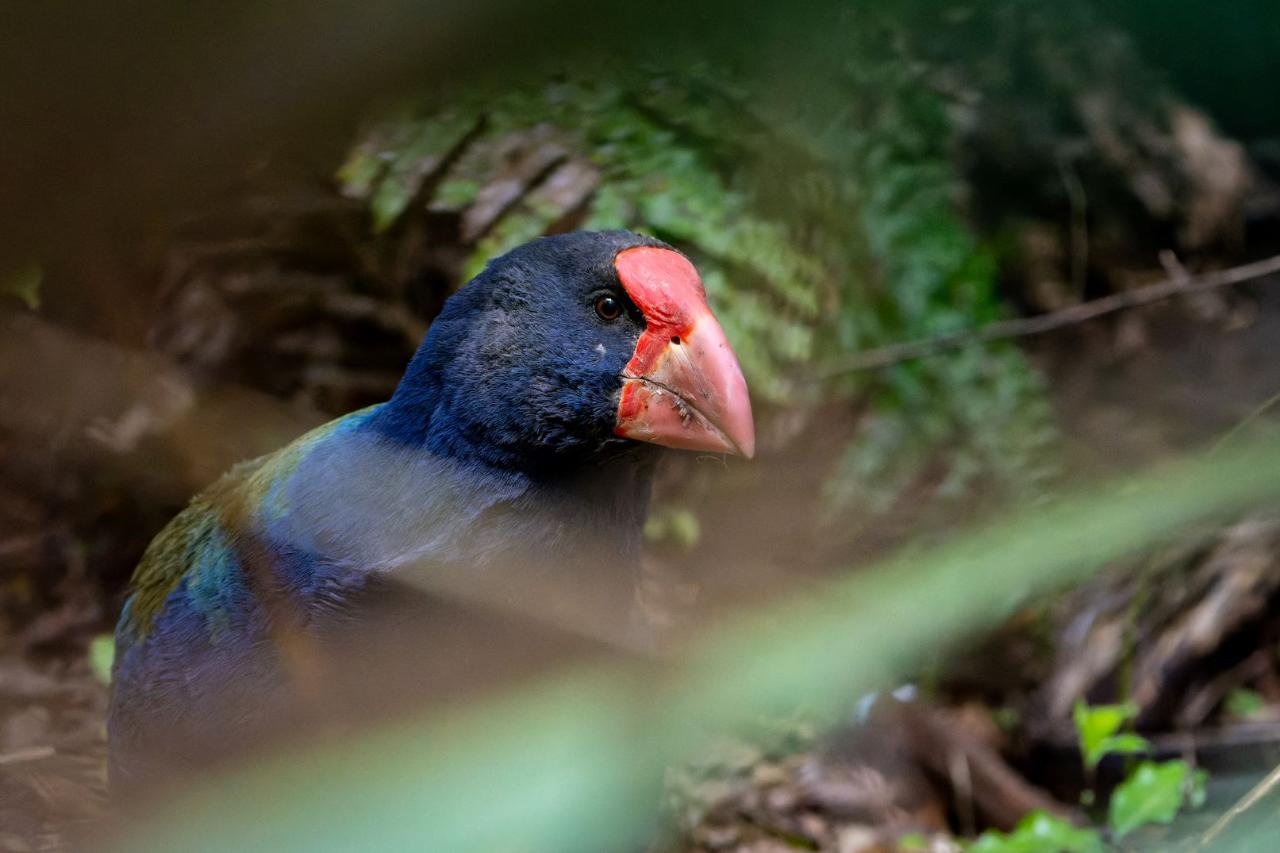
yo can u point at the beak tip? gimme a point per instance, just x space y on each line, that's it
744 438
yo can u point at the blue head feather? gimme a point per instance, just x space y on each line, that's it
518 372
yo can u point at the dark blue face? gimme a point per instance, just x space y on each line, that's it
523 367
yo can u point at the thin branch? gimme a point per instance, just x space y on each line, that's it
29 753
1026 326
1264 789
1258 411
1079 202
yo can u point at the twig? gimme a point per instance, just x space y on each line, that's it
994 789
1079 202
1260 410
1026 326
1244 804
30 753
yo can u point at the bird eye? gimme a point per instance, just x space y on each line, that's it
608 307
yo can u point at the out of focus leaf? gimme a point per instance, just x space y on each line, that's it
674 525
1245 703
1153 793
1040 833
1098 729
913 842
102 655
24 285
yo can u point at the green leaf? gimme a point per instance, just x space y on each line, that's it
102 654
25 284
1122 744
1006 718
390 199
1097 727
1244 703
457 193
1039 832
1153 793
685 529
673 525
359 173
913 842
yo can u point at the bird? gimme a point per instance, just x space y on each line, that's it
519 445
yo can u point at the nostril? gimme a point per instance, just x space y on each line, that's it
675 339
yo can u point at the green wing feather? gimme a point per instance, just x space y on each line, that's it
198 546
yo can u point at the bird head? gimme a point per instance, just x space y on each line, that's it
573 345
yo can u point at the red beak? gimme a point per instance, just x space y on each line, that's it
683 387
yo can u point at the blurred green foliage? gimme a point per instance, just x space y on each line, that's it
674 526
102 656
1244 703
575 763
1040 833
822 224
1154 793
24 285
1098 729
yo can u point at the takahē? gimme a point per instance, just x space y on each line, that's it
518 443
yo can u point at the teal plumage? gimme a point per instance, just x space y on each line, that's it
195 553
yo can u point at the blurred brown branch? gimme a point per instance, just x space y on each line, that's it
131 413
1178 285
944 742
